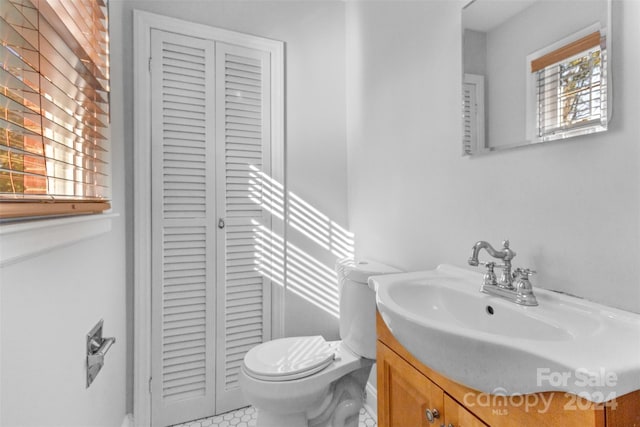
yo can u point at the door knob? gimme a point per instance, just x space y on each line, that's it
432 414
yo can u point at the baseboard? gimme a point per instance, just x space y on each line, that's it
371 402
128 421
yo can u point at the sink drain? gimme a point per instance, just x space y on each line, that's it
489 310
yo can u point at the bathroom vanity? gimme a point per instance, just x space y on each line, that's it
412 394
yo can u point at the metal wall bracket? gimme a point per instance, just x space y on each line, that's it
97 347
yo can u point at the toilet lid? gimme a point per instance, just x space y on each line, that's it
289 358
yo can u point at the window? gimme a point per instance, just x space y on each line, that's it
570 86
54 109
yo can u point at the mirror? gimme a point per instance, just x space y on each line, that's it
534 71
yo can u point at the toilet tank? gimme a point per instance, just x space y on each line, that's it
358 304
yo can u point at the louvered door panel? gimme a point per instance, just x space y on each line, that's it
473 128
244 297
183 203
243 116
468 114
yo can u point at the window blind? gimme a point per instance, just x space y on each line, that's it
54 107
571 88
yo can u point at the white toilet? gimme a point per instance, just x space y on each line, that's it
307 381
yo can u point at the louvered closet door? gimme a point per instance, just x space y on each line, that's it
473 113
183 228
469 117
243 123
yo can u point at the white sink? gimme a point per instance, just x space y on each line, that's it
498 347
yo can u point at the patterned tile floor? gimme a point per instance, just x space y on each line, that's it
246 417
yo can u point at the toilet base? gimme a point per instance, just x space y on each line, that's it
340 408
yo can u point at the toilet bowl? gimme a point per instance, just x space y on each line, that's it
308 381
297 397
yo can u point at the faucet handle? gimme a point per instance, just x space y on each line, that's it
524 290
524 272
489 277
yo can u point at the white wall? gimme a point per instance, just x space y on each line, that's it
49 304
313 33
474 52
571 209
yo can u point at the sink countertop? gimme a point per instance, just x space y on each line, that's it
496 346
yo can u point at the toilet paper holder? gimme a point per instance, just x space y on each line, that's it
97 348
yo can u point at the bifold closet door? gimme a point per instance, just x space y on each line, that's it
211 225
183 228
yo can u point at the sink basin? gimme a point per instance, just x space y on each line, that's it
498 347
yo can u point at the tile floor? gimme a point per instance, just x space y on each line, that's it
246 417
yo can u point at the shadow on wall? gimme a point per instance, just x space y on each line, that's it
306 276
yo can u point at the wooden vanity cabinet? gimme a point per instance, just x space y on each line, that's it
405 395
456 415
410 394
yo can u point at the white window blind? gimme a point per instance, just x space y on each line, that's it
571 88
54 107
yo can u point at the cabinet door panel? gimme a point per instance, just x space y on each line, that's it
404 394
456 415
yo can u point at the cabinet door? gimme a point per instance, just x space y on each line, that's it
455 415
405 396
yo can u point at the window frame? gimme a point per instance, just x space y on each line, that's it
67 31
564 51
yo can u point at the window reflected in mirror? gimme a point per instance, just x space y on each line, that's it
534 71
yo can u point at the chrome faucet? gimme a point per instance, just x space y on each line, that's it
505 254
521 292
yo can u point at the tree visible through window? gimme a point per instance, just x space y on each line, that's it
571 89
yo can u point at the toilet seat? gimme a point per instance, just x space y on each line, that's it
289 358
